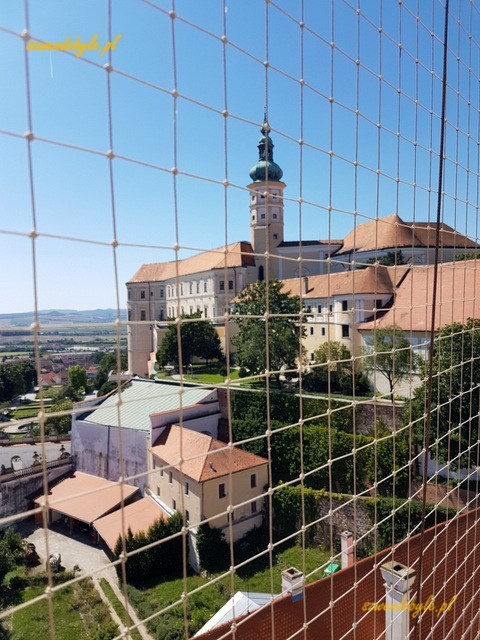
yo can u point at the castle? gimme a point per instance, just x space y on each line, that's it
209 281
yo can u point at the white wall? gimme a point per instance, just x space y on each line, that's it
26 451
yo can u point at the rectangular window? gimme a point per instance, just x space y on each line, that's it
198 287
319 308
311 331
191 287
309 309
129 314
230 285
143 315
344 305
312 357
330 308
142 294
345 331
222 285
253 507
151 293
170 477
158 490
174 504
191 310
161 315
323 331
187 515
187 489
161 293
253 480
181 289
205 312
221 490
205 286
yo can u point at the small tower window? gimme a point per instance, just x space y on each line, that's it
261 276
142 294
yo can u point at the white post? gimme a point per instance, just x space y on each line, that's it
347 549
398 581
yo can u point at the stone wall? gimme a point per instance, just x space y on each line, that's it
16 495
352 516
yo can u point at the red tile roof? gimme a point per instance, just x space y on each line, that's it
450 568
391 232
138 516
238 254
457 299
204 457
86 497
375 279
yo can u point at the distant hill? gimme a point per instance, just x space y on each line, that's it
63 317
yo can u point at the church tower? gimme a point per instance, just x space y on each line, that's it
266 206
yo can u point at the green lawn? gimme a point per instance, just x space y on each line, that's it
25 412
205 374
119 608
32 622
78 612
201 607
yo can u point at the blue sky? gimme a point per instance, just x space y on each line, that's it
69 105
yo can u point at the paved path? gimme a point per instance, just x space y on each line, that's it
79 550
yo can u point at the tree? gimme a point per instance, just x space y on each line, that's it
198 339
340 375
108 363
389 353
455 395
77 377
59 424
283 335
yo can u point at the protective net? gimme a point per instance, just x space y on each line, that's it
276 438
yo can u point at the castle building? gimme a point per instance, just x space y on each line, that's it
209 281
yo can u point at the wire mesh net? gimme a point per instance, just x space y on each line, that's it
278 437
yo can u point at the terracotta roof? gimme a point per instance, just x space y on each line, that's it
103 496
238 254
456 297
308 243
373 279
138 516
449 568
392 232
209 457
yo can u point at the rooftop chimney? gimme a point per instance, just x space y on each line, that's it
292 582
398 581
305 285
347 549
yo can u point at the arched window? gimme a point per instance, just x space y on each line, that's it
261 277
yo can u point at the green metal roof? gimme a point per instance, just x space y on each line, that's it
142 398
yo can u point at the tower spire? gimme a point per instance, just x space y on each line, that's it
266 169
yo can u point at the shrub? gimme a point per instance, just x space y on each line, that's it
212 548
162 559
